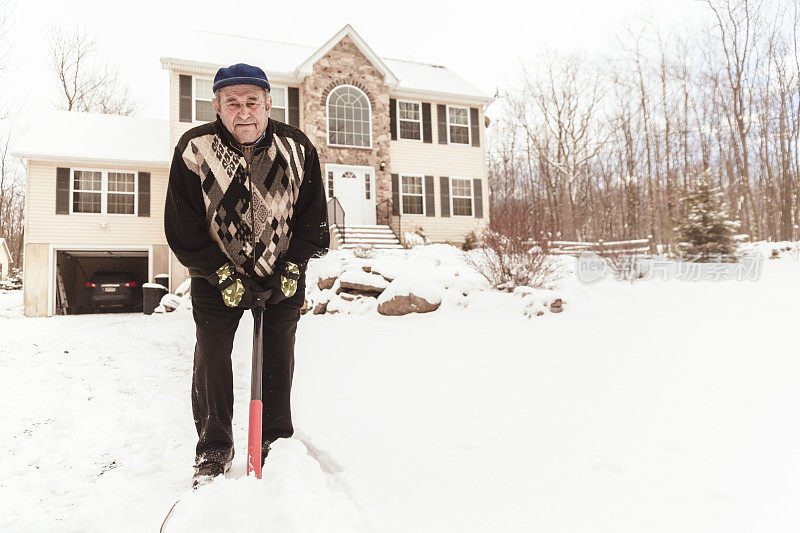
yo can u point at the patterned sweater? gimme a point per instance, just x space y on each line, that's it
221 207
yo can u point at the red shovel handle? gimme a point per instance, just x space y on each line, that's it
256 407
254 439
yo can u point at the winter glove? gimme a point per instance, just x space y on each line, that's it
283 282
237 290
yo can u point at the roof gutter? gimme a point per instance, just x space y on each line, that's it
26 157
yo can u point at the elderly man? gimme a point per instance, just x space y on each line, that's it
245 211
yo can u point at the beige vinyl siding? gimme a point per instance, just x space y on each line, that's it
177 128
452 160
43 225
5 260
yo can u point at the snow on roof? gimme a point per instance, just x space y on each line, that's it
70 135
283 60
433 78
219 49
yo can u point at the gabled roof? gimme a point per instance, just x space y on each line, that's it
285 63
93 137
306 66
5 245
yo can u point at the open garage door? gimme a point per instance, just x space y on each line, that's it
89 281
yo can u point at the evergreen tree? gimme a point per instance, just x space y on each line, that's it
707 231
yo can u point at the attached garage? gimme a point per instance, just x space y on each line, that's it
73 268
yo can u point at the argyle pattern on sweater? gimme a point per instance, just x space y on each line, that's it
233 220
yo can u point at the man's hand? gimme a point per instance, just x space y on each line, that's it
237 290
283 282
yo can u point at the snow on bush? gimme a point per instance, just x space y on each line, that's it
13 281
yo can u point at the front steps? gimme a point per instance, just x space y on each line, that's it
363 235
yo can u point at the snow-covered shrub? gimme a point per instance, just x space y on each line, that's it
515 250
415 237
363 252
410 240
707 232
13 281
625 265
470 240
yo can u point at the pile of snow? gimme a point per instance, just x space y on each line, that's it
179 301
294 494
436 274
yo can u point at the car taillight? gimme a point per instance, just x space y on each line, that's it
90 284
130 284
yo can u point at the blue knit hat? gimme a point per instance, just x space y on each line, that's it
240 74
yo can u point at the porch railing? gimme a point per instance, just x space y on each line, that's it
385 216
336 215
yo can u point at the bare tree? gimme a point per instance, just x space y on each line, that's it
87 83
607 152
556 112
12 200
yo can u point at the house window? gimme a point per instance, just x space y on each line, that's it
412 196
330 184
87 191
278 111
203 108
410 120
349 118
367 184
103 192
461 194
121 193
458 124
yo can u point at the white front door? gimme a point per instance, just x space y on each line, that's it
354 187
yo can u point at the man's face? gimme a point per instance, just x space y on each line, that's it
244 111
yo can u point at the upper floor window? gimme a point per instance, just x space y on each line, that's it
203 108
278 111
349 117
104 192
87 191
410 120
458 124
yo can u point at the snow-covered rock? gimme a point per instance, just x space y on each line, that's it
359 281
403 297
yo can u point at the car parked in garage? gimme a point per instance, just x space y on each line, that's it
108 289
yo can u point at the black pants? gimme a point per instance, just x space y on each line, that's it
212 380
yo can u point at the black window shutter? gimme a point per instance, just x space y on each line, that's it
473 119
393 117
144 194
444 186
395 194
441 118
185 98
477 197
427 135
62 191
294 107
430 207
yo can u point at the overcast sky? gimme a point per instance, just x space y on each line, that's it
482 42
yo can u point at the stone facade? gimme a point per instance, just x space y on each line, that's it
346 64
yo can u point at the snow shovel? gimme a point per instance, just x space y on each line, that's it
256 407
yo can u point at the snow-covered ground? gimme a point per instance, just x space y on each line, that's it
658 406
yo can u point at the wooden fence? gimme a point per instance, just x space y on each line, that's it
605 248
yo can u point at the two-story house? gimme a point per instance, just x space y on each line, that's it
401 146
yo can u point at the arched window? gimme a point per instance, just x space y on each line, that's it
349 117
